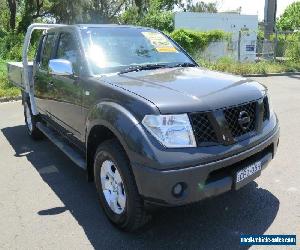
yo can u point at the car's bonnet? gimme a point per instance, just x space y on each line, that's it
177 90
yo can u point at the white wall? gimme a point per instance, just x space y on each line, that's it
228 22
215 21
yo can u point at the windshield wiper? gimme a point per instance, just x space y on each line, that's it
155 66
142 67
185 64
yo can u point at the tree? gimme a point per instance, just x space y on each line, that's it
68 12
12 4
4 17
21 13
83 11
104 11
290 19
151 13
160 5
201 7
32 10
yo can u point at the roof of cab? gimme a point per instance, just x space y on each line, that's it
85 26
106 26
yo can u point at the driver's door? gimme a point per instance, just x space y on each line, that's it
67 89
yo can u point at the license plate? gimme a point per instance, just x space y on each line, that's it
247 174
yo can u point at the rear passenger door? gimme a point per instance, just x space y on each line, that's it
42 79
67 90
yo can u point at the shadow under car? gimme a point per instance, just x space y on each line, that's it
215 223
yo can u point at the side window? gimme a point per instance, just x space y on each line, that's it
47 49
68 50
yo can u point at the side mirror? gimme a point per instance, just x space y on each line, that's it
60 67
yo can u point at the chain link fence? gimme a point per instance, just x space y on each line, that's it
251 46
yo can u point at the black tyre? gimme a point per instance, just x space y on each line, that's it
116 187
30 121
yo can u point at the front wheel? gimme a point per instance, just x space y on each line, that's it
116 187
30 121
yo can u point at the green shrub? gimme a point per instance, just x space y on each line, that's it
281 45
6 88
260 35
195 41
263 67
11 46
292 51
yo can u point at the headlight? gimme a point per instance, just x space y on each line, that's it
172 131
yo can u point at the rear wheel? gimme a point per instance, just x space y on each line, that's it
116 187
30 121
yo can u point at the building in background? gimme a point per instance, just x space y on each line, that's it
243 29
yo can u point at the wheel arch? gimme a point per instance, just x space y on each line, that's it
107 120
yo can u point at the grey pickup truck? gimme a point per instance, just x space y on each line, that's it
148 125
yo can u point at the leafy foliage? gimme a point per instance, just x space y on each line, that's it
6 88
31 10
158 13
193 41
159 20
264 67
11 46
19 14
154 19
290 19
292 51
201 7
153 13
23 12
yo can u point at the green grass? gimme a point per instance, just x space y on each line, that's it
262 67
6 88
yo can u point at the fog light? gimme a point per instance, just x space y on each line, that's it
178 189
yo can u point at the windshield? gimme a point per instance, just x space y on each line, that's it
112 49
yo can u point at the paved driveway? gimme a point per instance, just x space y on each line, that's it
47 203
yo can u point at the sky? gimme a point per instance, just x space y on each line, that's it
250 7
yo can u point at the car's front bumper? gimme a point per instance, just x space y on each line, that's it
201 181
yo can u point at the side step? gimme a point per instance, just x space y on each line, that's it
62 145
